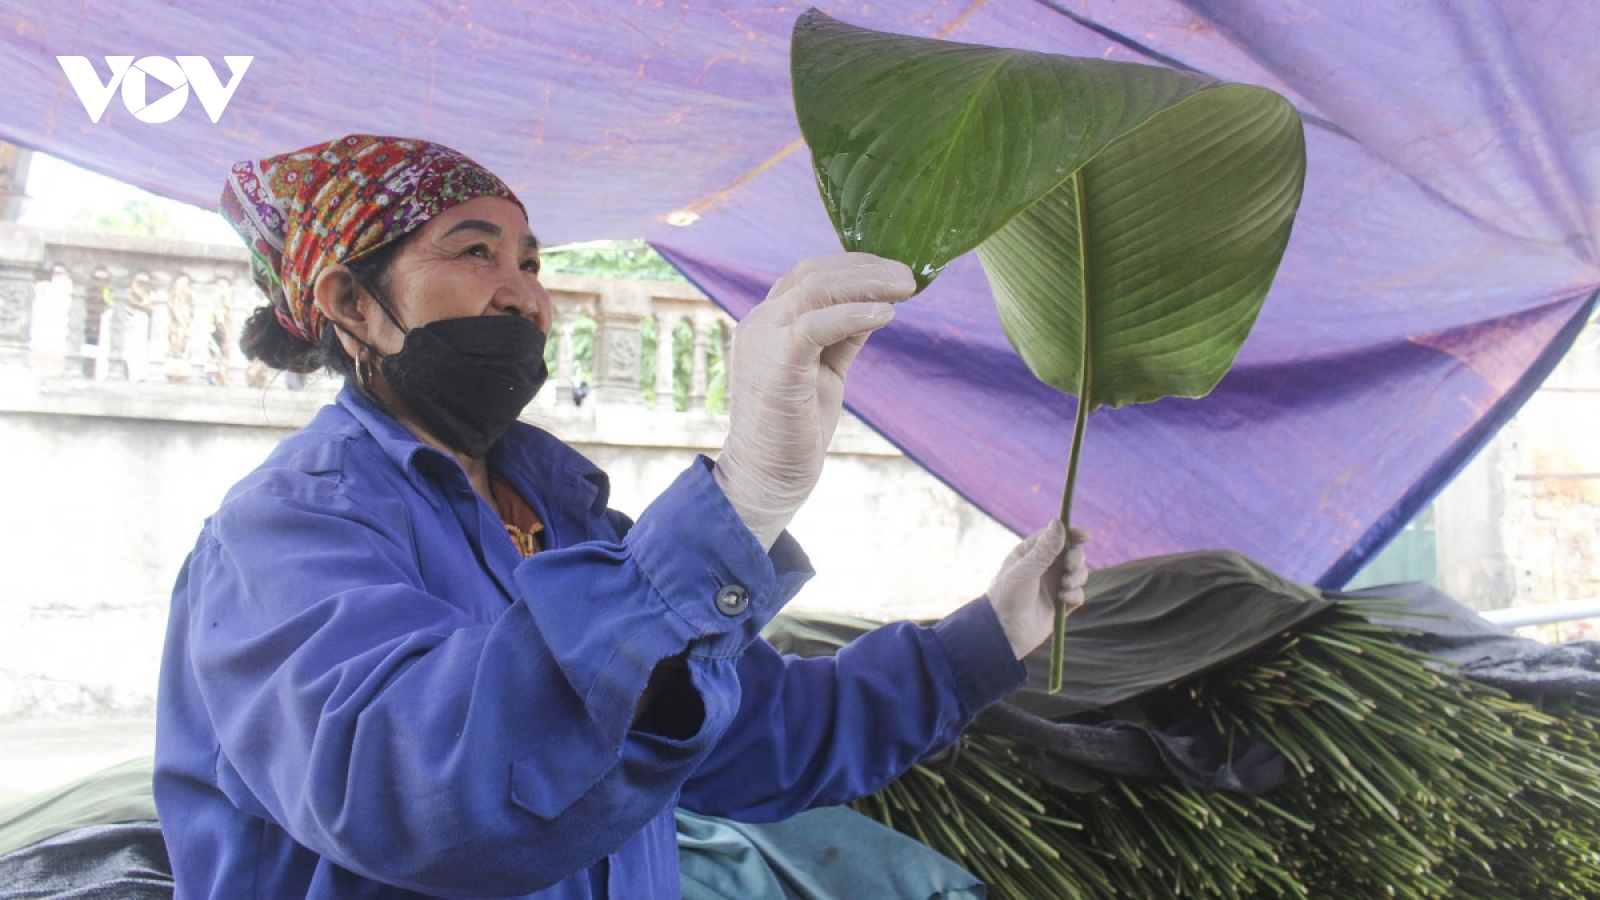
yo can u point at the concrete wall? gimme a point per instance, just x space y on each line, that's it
1553 528
100 514
1521 524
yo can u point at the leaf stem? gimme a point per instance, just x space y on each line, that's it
1059 634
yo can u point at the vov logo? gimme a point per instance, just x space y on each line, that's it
134 78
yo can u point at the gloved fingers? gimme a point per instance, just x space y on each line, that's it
811 266
823 281
1031 579
1076 572
1066 578
800 270
806 267
822 329
1038 550
1071 598
837 358
1079 537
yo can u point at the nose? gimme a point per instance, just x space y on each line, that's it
526 297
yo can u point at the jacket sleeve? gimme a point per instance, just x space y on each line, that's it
411 743
827 730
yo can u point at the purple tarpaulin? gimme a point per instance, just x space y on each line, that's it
1444 257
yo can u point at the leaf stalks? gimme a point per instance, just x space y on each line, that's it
1405 780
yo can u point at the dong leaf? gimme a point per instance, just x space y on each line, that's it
1130 218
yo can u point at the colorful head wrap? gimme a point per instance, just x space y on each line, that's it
331 203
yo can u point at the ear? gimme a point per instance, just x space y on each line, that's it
344 304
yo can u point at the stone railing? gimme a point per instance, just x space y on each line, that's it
88 306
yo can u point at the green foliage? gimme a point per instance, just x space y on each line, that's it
580 330
682 366
636 260
137 216
682 363
648 335
610 259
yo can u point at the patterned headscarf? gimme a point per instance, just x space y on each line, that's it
331 203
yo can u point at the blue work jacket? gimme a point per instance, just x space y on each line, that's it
368 692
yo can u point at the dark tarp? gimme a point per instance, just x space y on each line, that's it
1152 624
1144 626
97 839
126 861
93 839
1486 652
1444 258
821 854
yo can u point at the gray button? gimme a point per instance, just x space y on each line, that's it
733 600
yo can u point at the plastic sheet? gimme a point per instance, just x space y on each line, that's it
1444 258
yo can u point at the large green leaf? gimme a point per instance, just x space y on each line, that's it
1130 218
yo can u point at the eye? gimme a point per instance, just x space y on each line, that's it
531 265
479 250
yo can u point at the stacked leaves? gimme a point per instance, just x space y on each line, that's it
1406 780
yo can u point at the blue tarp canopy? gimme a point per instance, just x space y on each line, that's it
1444 258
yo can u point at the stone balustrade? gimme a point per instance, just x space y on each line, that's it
120 308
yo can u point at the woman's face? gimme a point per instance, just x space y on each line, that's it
477 258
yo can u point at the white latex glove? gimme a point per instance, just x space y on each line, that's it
786 387
1024 591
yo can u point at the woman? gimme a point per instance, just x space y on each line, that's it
414 654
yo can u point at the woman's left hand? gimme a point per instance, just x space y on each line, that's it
1023 593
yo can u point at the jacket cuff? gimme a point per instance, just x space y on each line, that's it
985 667
708 568
609 613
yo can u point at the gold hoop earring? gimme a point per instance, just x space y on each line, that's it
364 369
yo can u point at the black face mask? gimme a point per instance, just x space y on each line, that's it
466 380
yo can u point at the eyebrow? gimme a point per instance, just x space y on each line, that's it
529 242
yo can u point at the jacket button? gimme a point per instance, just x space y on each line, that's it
733 600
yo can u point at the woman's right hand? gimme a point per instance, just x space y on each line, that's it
1048 566
786 384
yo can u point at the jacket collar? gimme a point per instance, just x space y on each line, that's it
536 461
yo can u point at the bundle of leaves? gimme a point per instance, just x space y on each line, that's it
1404 779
